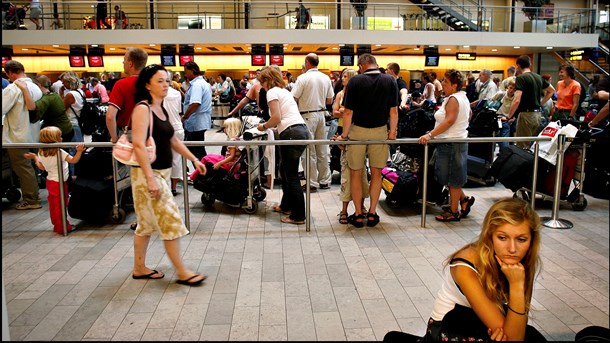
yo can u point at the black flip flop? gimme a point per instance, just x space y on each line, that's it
149 276
188 281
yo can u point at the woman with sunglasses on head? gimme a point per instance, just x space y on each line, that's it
154 203
451 158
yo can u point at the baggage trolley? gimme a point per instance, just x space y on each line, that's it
573 176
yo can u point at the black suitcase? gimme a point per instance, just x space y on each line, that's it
95 164
513 168
91 200
478 170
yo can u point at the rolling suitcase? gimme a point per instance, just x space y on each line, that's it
513 168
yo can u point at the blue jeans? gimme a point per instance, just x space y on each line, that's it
292 195
504 132
451 164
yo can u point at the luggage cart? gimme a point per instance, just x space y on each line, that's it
574 196
121 176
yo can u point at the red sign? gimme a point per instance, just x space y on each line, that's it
276 59
77 61
186 58
258 60
5 59
96 61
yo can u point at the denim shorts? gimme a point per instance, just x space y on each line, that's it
450 168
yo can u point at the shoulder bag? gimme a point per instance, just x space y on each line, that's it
123 152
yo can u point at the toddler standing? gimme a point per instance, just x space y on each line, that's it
47 160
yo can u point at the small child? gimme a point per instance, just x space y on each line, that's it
232 128
47 160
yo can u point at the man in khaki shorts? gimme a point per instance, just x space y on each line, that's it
370 103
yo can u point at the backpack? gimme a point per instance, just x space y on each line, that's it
90 114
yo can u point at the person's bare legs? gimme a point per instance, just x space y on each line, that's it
456 195
374 189
140 246
356 188
182 272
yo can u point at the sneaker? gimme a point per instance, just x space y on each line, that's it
24 205
324 186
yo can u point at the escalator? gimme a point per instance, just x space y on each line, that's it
459 18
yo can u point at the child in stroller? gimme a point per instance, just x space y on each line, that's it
226 178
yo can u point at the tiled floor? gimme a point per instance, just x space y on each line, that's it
274 281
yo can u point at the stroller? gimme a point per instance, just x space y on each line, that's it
12 17
240 185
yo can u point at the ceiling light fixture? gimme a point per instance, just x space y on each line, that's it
549 47
494 50
516 47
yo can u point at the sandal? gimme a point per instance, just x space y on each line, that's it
342 217
372 219
448 216
280 210
468 201
357 220
288 220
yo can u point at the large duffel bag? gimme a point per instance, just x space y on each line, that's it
513 168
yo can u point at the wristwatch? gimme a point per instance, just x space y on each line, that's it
429 133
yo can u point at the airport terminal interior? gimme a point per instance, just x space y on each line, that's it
268 280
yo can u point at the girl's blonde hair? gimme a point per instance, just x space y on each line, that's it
49 134
232 127
511 211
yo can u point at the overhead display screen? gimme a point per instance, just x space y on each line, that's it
95 61
77 61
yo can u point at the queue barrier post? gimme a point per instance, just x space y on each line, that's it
554 222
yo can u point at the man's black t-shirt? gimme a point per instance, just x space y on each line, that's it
370 96
532 85
401 84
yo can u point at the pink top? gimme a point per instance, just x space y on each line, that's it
102 92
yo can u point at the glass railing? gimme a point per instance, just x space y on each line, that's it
324 15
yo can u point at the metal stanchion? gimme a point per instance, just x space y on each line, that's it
250 158
554 222
534 175
185 194
307 189
425 190
62 200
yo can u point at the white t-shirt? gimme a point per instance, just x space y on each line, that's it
312 89
50 165
173 105
77 105
288 108
459 128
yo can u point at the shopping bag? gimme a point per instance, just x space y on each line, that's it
548 149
